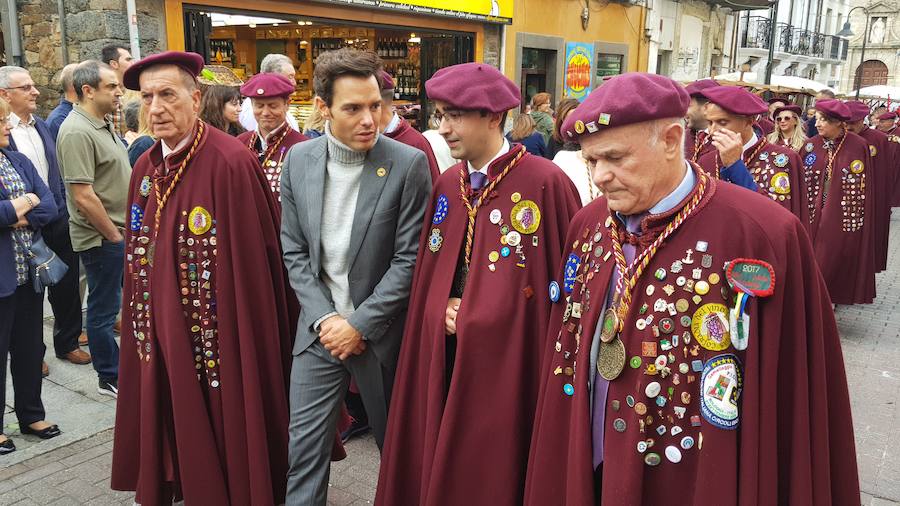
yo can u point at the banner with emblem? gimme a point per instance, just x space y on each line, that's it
579 69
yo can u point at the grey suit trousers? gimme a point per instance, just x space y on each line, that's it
318 384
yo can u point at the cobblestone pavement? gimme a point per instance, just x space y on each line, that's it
75 467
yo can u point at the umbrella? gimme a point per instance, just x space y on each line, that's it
794 82
880 91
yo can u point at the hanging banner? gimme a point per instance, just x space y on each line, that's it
579 68
496 11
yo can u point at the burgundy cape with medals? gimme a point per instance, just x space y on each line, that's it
767 425
883 173
777 170
842 216
205 333
408 135
280 141
467 442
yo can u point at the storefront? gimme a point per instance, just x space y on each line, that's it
414 41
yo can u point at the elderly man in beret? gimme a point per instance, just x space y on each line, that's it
675 370
887 122
777 171
205 329
270 97
840 182
462 410
884 172
696 136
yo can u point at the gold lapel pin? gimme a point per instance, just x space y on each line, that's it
381 172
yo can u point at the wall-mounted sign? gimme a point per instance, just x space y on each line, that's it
495 11
579 66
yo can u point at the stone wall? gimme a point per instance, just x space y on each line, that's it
492 43
90 25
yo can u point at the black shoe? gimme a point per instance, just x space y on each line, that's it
110 388
356 429
46 433
7 447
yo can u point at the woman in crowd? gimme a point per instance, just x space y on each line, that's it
132 112
220 107
523 133
788 129
314 125
26 205
563 109
571 161
542 114
439 145
144 139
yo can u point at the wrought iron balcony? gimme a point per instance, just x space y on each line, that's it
756 31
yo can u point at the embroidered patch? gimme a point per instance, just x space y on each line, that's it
144 189
710 327
570 272
810 159
137 217
873 151
440 209
856 166
720 391
781 160
199 221
781 183
809 147
751 276
435 240
525 216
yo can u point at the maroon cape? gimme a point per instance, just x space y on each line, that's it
766 125
777 170
203 376
793 442
883 174
842 219
408 135
467 443
274 154
894 147
696 144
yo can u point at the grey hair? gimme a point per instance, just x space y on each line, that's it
6 72
87 73
655 128
66 76
274 62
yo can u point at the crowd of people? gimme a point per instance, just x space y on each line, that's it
618 301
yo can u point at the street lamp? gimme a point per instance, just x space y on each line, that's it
773 14
847 32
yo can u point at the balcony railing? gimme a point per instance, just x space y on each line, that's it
790 39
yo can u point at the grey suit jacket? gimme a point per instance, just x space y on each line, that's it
384 239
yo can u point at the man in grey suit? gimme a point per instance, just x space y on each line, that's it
352 209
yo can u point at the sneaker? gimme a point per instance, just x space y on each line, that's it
356 429
110 388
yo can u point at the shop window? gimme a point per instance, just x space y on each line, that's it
536 67
608 65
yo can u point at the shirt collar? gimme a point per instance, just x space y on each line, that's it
264 141
667 203
98 124
166 151
504 148
15 120
394 123
752 142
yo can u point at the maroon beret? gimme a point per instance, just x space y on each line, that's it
858 110
473 87
633 97
696 87
385 81
736 100
778 99
792 108
267 85
888 115
192 63
833 108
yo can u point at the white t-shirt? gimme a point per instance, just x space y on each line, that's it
572 163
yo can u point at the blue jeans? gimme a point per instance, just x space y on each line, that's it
104 267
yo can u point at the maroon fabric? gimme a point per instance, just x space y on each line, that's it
408 135
696 144
888 115
833 108
473 87
766 125
209 432
696 87
467 442
192 63
267 85
735 100
613 105
894 157
884 174
794 442
859 110
275 154
792 108
762 161
385 81
843 226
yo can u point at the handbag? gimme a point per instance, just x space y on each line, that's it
47 269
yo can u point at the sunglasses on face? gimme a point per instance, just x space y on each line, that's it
784 118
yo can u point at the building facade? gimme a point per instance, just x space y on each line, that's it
882 56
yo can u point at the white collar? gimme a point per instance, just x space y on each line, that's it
262 139
753 140
504 148
166 150
15 120
393 124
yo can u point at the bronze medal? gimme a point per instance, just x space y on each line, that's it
611 359
609 326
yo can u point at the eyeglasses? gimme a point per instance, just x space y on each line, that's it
784 118
452 116
25 88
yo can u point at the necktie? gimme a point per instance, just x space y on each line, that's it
601 386
477 180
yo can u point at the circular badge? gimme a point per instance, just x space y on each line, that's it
809 147
505 251
810 159
513 238
764 156
781 160
199 221
571 270
710 327
579 127
611 359
137 217
781 183
856 166
525 216
440 209
873 151
720 389
144 189
496 216
435 240
554 291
